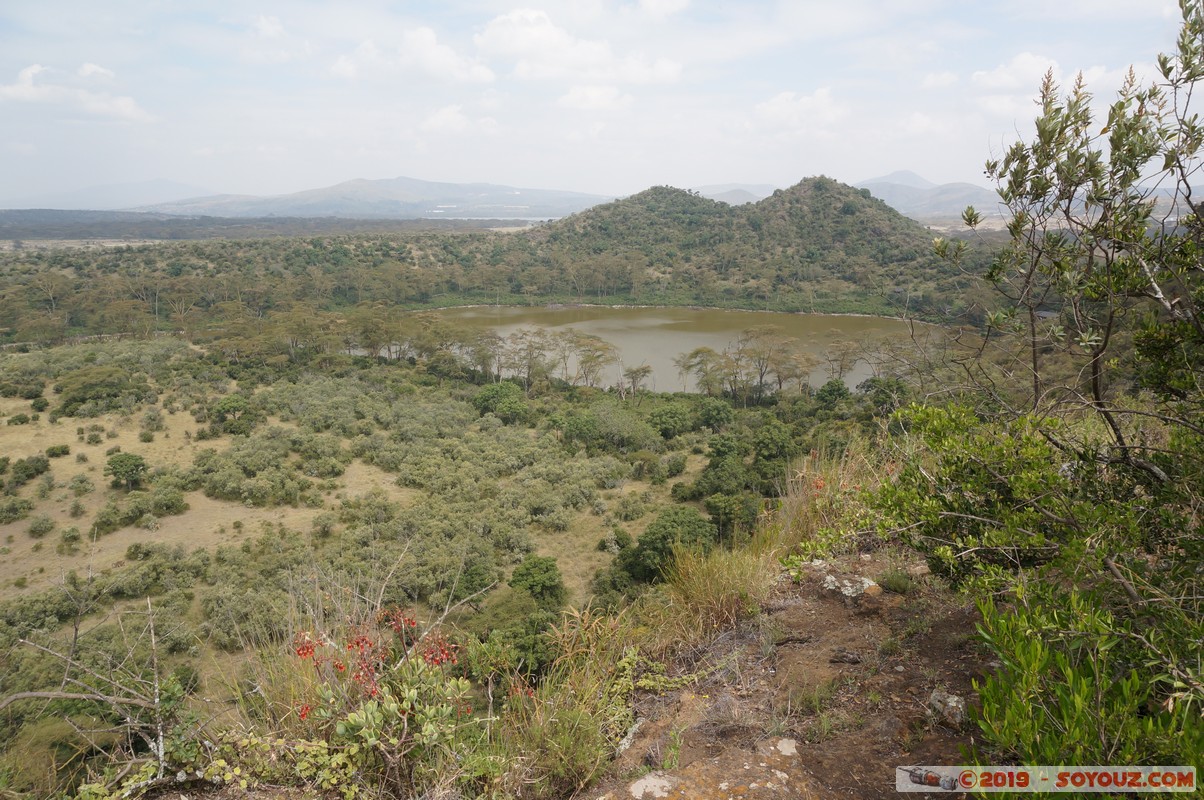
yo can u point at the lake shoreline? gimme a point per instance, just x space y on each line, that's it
636 307
657 335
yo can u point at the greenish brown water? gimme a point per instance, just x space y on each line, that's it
655 336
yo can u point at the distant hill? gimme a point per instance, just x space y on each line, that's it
392 198
927 202
902 177
819 244
30 226
736 194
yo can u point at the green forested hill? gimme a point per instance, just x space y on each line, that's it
819 245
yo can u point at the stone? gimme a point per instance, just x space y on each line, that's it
851 589
948 707
651 786
842 656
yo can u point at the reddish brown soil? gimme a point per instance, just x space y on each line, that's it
788 715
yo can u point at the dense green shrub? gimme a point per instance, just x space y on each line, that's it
25 470
40 526
14 508
673 527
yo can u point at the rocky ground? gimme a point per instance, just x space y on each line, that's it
835 686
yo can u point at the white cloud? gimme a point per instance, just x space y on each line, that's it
662 8
1024 72
353 64
103 104
938 80
345 67
449 119
595 98
919 124
90 70
269 27
789 112
270 43
418 51
541 49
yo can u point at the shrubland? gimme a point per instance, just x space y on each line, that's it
499 499
545 548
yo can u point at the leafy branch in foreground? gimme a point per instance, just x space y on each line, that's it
1071 494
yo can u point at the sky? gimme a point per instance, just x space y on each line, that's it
600 96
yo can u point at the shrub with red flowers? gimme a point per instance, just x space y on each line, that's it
386 699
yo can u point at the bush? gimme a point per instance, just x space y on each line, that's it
69 541
630 507
26 469
13 509
1075 693
539 576
897 581
40 526
58 451
676 526
18 419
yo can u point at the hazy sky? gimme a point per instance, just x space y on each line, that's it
603 96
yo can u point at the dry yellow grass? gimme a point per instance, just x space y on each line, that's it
207 524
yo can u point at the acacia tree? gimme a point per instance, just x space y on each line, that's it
126 469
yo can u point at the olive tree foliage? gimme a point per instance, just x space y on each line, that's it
1074 486
1105 236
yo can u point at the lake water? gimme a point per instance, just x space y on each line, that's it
655 336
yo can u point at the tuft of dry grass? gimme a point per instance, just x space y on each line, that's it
713 591
823 510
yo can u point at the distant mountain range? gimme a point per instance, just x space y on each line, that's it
391 198
736 194
924 201
410 198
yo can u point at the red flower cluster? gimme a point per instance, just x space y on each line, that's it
437 650
367 660
519 687
399 621
304 645
367 652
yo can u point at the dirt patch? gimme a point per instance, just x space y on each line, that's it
822 696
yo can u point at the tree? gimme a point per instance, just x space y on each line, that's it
635 377
539 576
675 526
1042 494
504 400
672 419
126 469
